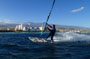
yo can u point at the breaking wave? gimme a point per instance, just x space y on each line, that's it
71 36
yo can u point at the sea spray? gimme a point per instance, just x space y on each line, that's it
70 36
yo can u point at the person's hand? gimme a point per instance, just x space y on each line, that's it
46 23
47 26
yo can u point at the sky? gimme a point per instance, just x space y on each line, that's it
65 12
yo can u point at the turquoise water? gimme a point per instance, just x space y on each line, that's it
67 45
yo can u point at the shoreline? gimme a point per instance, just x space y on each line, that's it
2 31
32 32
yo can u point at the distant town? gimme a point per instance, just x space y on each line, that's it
29 28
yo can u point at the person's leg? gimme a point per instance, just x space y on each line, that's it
52 37
48 36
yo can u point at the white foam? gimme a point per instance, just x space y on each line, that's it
70 36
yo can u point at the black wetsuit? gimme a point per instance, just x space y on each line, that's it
52 32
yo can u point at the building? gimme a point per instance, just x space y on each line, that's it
19 27
34 29
41 27
26 27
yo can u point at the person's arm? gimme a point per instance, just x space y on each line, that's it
49 29
49 25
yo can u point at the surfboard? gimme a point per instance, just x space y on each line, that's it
35 39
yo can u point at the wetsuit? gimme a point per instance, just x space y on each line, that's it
52 31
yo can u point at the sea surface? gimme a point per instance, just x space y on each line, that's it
67 45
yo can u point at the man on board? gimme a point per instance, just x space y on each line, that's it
52 30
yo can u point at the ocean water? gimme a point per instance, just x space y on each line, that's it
67 45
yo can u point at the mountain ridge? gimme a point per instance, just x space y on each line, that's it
34 24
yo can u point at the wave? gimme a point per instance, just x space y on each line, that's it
70 36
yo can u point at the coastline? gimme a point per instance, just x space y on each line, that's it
5 31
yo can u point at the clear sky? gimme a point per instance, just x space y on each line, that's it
65 12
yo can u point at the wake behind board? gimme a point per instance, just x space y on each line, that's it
35 39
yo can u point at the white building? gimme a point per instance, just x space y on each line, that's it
27 28
19 27
34 29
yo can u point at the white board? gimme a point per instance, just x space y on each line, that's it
35 39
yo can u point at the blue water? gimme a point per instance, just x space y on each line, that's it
66 46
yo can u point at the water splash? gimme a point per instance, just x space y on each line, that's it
71 36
